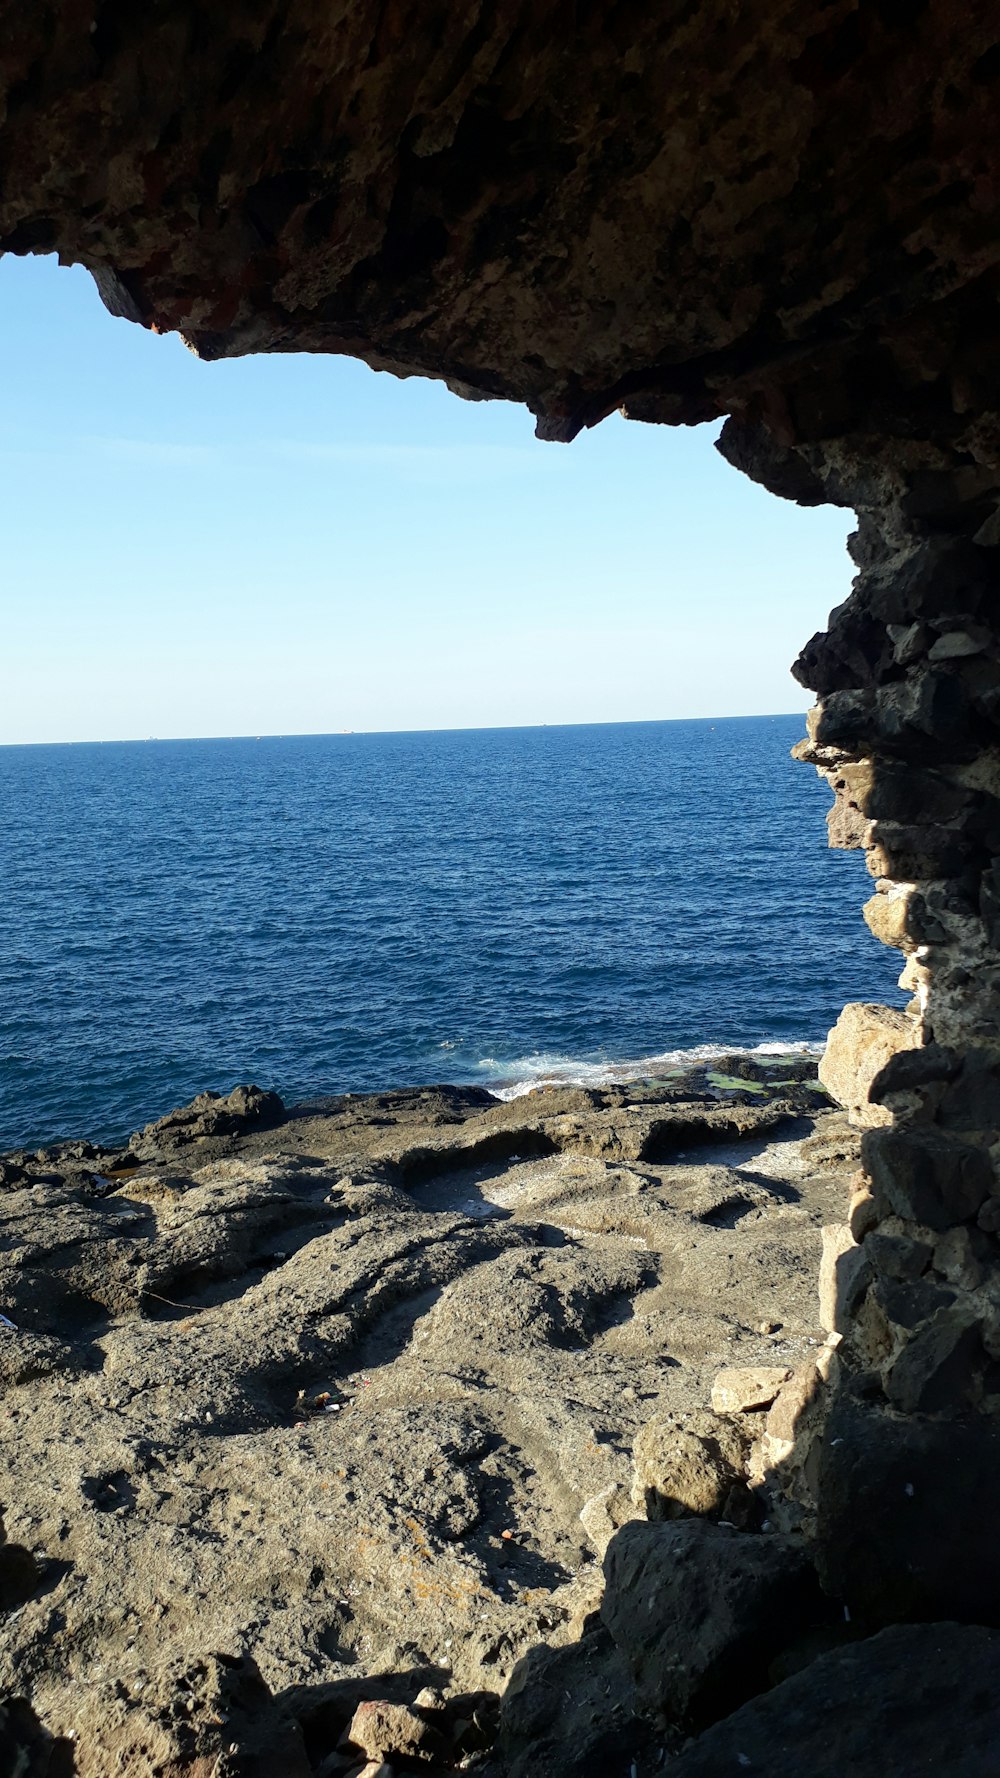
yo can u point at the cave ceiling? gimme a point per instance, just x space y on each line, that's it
780 208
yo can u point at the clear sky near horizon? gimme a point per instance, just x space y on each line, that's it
294 544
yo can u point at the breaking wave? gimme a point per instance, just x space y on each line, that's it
511 1079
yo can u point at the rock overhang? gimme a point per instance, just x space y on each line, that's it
684 211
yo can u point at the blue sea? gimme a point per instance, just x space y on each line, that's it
336 913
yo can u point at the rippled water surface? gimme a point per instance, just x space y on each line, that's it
349 912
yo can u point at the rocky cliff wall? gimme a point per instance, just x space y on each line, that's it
906 733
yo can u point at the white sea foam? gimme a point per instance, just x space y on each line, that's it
522 1075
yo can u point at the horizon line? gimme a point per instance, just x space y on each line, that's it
455 729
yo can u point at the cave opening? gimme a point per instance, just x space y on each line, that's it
781 219
275 546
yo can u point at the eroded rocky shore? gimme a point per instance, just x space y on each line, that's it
340 1405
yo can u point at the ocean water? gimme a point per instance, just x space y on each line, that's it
353 912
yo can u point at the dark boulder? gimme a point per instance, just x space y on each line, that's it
569 1712
699 1611
209 1115
906 1516
912 1699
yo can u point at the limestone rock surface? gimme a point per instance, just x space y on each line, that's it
693 1468
858 1048
397 1733
329 1395
842 1275
745 1388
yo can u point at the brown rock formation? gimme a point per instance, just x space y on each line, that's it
786 213
689 207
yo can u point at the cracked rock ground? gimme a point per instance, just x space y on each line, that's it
350 1394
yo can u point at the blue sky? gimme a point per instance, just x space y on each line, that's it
295 544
